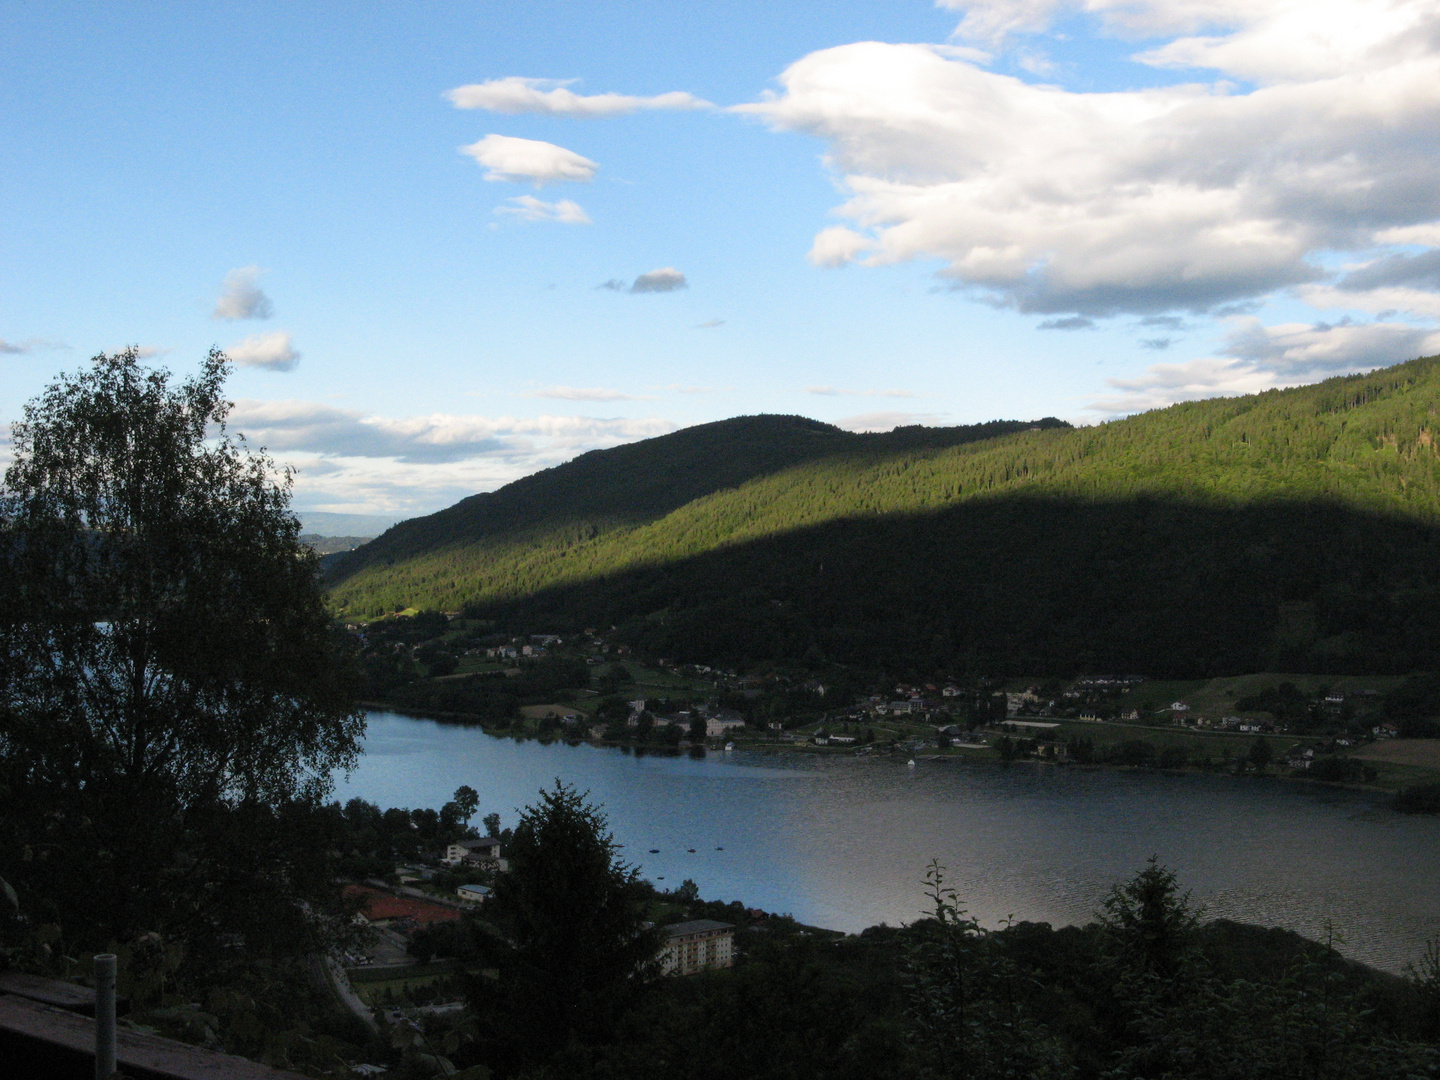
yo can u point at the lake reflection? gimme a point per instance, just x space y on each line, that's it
844 842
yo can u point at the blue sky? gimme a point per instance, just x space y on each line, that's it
867 212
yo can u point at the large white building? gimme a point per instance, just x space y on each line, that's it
484 852
722 724
694 946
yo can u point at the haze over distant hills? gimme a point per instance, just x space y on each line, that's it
1290 530
323 523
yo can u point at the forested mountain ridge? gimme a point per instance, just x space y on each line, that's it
1225 534
621 488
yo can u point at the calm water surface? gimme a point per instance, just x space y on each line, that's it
844 842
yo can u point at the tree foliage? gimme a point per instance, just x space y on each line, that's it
170 683
573 949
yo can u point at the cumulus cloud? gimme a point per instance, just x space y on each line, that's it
1165 384
886 421
835 391
1070 322
584 393
1180 198
552 97
273 351
241 297
1257 357
837 246
1303 349
666 279
518 160
529 208
1415 271
1160 344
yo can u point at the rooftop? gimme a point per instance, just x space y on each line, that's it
696 926
379 906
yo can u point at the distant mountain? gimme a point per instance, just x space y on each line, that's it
1291 530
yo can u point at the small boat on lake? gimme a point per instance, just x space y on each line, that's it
654 851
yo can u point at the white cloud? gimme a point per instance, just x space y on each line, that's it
886 421
584 393
1258 357
1186 197
1325 349
371 464
837 246
1165 384
529 208
665 279
551 97
835 391
518 160
273 351
241 297
710 324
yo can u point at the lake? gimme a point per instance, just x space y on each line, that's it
843 842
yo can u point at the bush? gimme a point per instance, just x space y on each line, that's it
1421 799
1335 769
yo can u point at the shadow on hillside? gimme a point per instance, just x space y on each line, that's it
644 481
1042 585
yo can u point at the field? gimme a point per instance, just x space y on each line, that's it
1418 753
1217 697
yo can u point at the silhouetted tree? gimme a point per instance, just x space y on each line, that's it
573 949
169 677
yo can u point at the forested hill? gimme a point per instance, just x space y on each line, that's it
621 488
1291 530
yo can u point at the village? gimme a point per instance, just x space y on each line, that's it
411 955
592 687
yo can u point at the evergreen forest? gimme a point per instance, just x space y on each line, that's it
1294 530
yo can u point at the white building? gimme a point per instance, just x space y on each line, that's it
484 852
722 724
694 946
475 894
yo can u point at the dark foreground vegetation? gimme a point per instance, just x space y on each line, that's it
1147 990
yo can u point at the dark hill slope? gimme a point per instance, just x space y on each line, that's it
1211 536
603 491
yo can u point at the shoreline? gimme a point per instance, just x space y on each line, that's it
777 748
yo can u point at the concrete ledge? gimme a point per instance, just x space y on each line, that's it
62 995
42 1040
